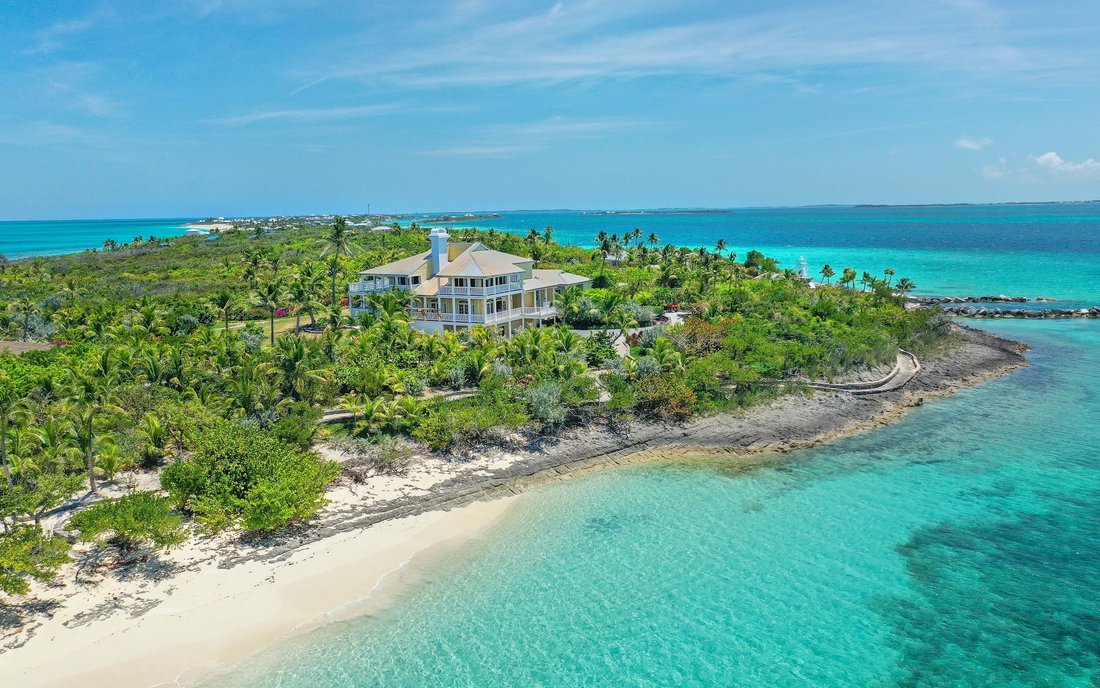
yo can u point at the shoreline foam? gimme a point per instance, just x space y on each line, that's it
213 613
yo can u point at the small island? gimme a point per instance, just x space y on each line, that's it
180 418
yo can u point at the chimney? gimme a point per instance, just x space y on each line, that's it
439 238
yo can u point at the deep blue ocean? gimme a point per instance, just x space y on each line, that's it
1035 250
957 547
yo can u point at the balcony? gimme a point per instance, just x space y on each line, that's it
485 318
374 286
508 288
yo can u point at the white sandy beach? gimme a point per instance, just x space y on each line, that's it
213 617
219 226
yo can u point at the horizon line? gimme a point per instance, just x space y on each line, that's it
656 209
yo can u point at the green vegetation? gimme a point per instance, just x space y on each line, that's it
141 518
211 362
242 475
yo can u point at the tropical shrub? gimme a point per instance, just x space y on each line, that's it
26 554
451 425
665 396
243 475
130 522
599 348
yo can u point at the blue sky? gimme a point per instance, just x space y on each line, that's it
229 107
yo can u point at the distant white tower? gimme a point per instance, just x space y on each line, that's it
439 239
803 268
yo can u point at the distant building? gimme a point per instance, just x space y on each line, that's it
455 286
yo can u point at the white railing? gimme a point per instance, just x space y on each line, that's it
485 318
370 287
448 290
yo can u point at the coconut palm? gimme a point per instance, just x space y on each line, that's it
621 320
14 411
302 290
24 308
90 396
904 286
335 244
827 272
268 296
225 302
295 366
720 246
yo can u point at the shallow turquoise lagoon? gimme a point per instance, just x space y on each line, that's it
20 239
957 547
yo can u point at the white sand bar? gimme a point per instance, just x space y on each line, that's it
214 617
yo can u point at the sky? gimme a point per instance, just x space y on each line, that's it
194 108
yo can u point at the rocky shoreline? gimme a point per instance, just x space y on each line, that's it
935 300
1023 313
792 422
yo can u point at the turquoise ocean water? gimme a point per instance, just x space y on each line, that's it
957 547
1043 249
20 239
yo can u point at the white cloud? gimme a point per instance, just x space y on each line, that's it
1057 164
50 38
73 85
993 172
509 140
307 114
478 151
489 43
972 143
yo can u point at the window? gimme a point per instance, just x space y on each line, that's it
463 308
416 280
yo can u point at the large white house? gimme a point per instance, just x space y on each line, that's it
455 286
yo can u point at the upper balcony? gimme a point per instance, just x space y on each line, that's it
492 290
375 284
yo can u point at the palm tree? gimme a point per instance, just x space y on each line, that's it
335 244
224 301
547 235
867 280
653 238
301 291
904 286
268 295
888 274
90 395
13 411
720 246
568 302
292 360
847 276
827 272
26 308
533 237
621 320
